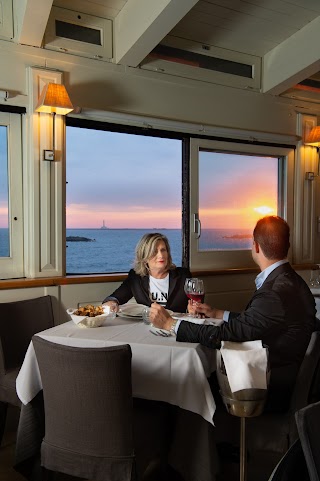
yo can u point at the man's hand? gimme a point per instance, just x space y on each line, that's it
114 306
209 311
192 308
160 317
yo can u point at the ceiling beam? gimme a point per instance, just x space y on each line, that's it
142 24
32 18
293 60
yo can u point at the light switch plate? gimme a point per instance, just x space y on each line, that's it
48 155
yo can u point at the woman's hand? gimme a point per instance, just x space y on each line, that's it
160 317
114 306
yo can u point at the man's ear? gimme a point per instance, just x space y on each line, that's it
256 247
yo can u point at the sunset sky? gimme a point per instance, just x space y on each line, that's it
3 178
234 194
126 180
135 181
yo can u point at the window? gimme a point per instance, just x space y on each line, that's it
119 186
11 225
4 194
232 186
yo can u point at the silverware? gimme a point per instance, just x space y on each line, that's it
161 333
164 333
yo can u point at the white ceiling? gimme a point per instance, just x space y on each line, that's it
285 34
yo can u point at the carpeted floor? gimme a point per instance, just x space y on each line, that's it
7 473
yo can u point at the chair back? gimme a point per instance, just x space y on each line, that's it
306 373
308 422
20 320
276 430
292 466
88 410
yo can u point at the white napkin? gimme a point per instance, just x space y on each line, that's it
76 319
246 364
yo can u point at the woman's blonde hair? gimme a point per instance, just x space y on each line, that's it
146 249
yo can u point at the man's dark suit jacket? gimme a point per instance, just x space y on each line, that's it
138 287
281 313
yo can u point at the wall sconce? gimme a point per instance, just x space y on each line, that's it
54 99
313 139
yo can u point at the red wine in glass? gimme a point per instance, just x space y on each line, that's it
196 297
194 290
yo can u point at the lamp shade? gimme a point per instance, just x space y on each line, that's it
54 99
314 137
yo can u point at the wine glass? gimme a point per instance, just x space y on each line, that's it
314 280
194 289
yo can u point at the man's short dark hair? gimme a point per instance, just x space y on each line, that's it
272 233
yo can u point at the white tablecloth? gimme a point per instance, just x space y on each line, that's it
316 292
162 369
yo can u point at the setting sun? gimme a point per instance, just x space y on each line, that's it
263 209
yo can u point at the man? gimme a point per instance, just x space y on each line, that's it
281 312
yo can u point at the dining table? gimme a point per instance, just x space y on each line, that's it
316 294
170 389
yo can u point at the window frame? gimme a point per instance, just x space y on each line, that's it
191 143
226 259
150 132
13 266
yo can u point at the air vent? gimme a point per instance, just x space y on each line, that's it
312 85
202 61
79 34
184 58
308 90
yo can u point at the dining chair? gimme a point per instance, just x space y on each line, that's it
292 466
20 320
314 395
276 431
88 411
308 422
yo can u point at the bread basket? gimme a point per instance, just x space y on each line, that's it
91 321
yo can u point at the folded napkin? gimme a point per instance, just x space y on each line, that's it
246 364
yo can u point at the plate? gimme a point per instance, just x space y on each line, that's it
134 311
131 318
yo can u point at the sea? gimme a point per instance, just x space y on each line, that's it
112 250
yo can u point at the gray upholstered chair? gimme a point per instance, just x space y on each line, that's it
308 423
88 411
292 466
19 321
277 431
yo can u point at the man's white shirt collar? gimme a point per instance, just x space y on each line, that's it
259 280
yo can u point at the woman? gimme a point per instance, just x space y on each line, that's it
154 278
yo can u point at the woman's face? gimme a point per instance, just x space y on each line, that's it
158 263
